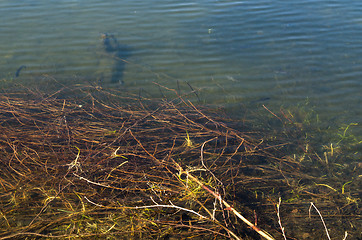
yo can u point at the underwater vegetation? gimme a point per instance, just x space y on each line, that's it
105 165
110 165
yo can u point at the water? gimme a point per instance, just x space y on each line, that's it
237 53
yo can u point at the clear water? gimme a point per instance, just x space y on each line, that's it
279 53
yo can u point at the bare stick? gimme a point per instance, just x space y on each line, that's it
279 220
202 159
91 182
272 113
345 235
320 215
153 206
229 207
156 205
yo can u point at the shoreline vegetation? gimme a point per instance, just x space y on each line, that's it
104 165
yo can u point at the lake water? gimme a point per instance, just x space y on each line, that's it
235 53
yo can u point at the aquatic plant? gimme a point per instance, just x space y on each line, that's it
107 165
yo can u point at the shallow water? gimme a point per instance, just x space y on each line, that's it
237 53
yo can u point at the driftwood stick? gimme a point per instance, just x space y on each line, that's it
228 206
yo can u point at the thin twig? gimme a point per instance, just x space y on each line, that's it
279 220
152 206
320 215
228 206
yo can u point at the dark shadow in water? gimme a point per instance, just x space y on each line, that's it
120 51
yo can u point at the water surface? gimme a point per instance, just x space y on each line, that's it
237 53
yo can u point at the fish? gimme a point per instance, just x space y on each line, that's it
110 43
118 51
17 73
262 99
